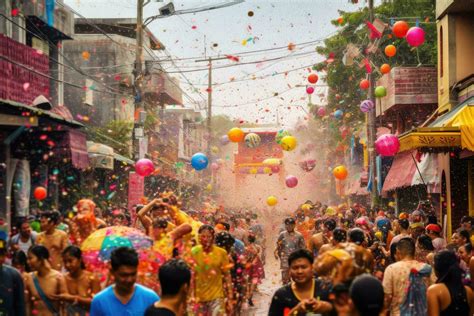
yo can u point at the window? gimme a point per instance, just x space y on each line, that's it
441 49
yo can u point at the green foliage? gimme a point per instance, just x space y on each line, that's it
116 134
343 81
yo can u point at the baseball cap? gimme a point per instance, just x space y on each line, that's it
367 294
434 228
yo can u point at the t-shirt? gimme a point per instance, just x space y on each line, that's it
209 268
396 280
105 303
439 244
158 311
287 243
285 299
12 295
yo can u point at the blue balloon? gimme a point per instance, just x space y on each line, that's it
199 161
338 114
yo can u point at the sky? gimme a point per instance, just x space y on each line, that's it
271 88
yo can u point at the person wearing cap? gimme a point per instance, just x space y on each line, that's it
12 297
288 241
434 232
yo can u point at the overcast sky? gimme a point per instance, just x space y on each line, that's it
223 32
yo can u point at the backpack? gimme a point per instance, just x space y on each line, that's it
415 300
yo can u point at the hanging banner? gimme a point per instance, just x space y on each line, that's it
136 190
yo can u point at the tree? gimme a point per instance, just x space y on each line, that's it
116 134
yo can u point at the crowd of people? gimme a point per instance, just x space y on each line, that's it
333 261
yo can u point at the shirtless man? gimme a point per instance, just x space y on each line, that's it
320 238
339 236
53 239
43 284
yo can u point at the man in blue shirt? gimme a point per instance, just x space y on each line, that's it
125 297
12 298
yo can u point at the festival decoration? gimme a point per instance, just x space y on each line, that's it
306 207
252 140
308 165
364 84
224 140
272 162
338 114
415 36
236 135
281 133
380 91
400 29
367 106
387 145
199 161
144 167
390 50
291 181
272 200
385 69
309 90
313 78
340 172
321 111
40 193
288 143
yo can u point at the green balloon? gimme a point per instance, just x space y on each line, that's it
380 91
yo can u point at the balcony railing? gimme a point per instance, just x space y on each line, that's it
20 72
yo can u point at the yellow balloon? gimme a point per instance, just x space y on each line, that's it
253 171
272 201
288 143
306 207
272 162
214 149
267 170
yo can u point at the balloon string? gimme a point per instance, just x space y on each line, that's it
418 57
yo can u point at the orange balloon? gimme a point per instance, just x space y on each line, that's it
340 172
313 78
385 69
390 50
364 84
235 135
40 193
400 29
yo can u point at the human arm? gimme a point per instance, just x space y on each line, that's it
180 231
143 214
279 246
387 287
433 301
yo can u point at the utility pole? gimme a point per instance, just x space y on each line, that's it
371 128
138 124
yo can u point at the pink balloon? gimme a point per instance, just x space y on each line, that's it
309 90
415 36
321 111
144 167
291 181
387 145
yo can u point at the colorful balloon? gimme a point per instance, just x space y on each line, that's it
236 135
224 140
281 133
385 69
144 167
338 114
387 145
390 50
40 193
309 90
380 91
367 106
321 111
199 161
252 140
415 36
313 78
364 84
272 200
400 29
340 172
291 181
288 143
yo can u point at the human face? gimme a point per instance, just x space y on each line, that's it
34 262
455 239
467 226
301 271
158 211
290 227
125 278
45 223
25 230
71 263
206 238
118 220
84 208
465 256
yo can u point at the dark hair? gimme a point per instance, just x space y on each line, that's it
467 219
404 223
468 247
75 252
289 220
450 274
465 234
123 256
224 240
300 253
209 228
251 238
367 294
173 275
406 246
52 216
425 242
40 251
226 225
339 235
20 223
330 224
19 258
356 235
160 223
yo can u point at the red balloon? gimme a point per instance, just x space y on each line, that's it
40 193
400 29
364 84
313 78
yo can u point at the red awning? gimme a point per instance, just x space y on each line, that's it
401 172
